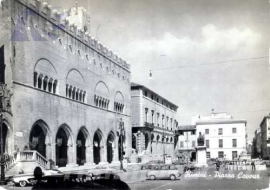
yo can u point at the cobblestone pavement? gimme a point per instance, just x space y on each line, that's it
224 180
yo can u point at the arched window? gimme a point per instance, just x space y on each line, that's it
50 85
119 102
35 78
84 95
45 82
70 92
76 80
77 94
74 93
101 96
67 90
40 81
44 75
55 86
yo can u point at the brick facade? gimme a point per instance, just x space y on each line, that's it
61 78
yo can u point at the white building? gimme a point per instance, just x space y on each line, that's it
225 137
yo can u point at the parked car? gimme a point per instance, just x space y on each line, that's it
28 179
79 181
23 180
149 164
164 172
111 180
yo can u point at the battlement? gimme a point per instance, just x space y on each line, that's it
61 26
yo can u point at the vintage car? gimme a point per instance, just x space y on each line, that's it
23 180
108 181
149 164
28 179
164 172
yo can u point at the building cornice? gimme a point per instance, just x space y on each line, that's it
139 86
220 122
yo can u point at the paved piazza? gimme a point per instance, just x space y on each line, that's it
205 179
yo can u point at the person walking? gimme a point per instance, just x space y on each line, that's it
217 165
253 166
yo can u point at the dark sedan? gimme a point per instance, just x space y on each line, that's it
78 181
111 180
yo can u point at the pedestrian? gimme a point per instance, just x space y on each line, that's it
253 165
26 147
217 165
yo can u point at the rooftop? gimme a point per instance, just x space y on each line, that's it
216 118
135 86
187 127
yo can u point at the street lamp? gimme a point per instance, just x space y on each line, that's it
163 139
150 75
2 161
121 133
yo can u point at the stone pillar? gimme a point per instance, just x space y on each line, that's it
149 145
103 155
53 152
168 148
153 148
71 155
201 156
48 151
115 154
89 155
156 148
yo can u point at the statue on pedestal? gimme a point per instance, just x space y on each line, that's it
200 139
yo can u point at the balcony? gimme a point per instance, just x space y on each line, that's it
177 133
149 126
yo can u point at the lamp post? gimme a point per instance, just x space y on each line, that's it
2 161
163 139
188 157
121 132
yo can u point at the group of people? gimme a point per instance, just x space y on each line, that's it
218 163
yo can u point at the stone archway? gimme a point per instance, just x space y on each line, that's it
64 147
81 147
110 147
134 142
158 146
146 141
39 139
98 147
152 149
193 156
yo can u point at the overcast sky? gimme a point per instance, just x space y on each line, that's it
193 48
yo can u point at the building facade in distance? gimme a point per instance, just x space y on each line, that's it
67 92
257 144
153 123
265 137
225 137
187 141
